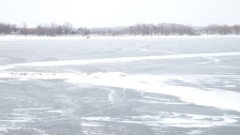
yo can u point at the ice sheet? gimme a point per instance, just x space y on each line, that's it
123 59
223 99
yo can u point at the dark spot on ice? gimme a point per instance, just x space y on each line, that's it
123 75
24 74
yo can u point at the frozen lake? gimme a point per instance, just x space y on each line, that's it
120 86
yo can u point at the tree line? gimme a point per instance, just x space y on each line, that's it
222 30
138 29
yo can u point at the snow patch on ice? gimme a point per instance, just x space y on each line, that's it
123 59
148 83
172 120
31 109
91 124
194 132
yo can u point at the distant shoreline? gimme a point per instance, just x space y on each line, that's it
33 37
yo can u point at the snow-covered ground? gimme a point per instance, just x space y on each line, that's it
126 85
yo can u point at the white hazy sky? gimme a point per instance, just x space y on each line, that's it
102 13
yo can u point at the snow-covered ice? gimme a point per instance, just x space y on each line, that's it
123 85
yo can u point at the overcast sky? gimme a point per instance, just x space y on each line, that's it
105 13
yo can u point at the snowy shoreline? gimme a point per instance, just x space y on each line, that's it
79 37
